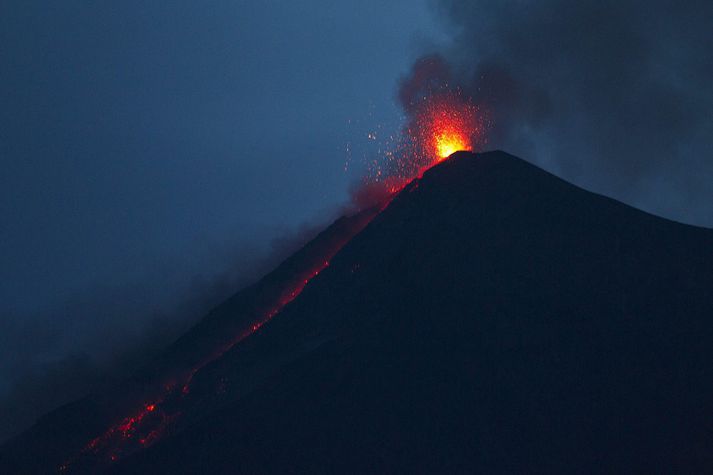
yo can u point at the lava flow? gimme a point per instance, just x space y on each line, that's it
150 422
158 413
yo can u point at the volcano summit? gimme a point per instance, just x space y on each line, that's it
491 318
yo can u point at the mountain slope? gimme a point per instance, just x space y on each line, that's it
96 431
492 318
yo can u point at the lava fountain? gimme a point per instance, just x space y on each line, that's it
444 124
439 123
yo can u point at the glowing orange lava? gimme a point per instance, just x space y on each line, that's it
447 143
441 123
445 126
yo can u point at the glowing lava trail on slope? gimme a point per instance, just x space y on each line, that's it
155 417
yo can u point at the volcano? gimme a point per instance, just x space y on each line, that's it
489 318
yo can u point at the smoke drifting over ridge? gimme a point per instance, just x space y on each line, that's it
615 96
87 343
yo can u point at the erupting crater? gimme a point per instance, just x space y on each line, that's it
440 123
449 129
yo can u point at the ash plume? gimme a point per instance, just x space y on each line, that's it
615 96
429 75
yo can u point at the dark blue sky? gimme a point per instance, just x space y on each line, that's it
135 134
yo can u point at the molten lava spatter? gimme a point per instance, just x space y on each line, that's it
445 127
441 123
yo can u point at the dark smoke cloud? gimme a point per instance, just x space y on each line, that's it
616 96
102 334
429 74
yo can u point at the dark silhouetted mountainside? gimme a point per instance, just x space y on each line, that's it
492 318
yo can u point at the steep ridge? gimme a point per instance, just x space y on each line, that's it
493 318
